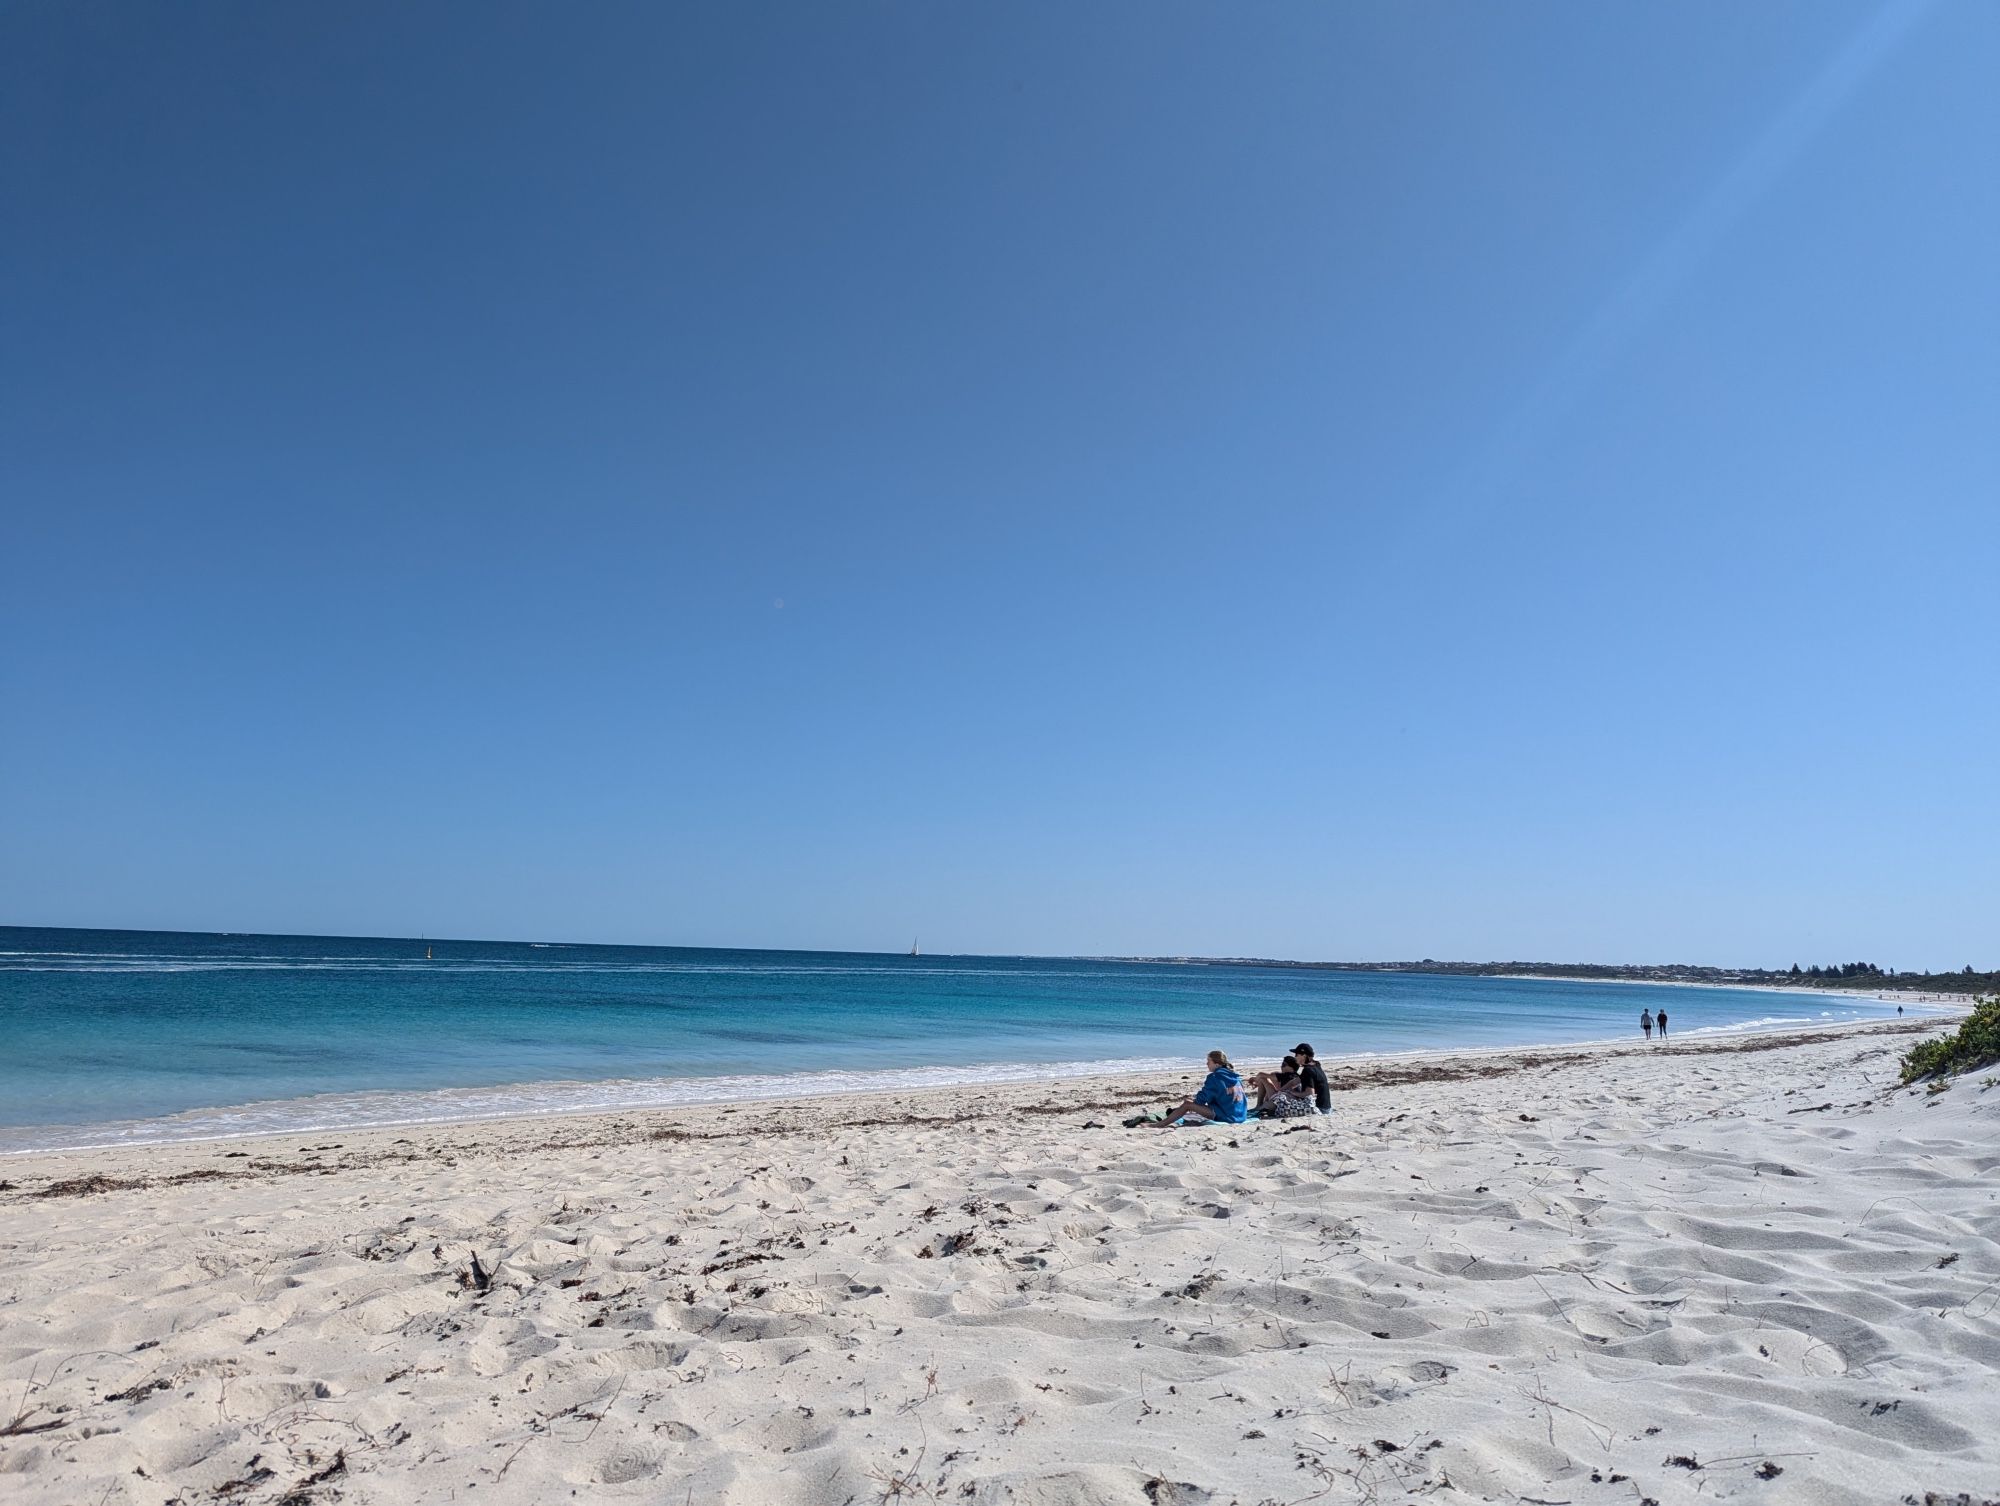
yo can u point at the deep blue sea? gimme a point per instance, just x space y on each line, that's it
111 1037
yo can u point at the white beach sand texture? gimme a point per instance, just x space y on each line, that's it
1729 1270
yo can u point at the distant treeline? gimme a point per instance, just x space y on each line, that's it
1857 975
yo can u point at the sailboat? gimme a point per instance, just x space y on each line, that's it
913 950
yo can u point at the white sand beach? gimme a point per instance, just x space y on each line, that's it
1723 1269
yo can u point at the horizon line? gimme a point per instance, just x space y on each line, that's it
1157 958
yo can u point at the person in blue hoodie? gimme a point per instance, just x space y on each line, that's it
1220 1101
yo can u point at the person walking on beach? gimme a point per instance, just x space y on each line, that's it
1646 1022
1315 1077
1661 1020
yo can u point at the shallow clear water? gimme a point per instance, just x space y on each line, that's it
115 1036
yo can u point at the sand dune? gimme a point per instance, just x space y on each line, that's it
1695 1273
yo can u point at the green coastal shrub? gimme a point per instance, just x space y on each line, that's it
1977 1044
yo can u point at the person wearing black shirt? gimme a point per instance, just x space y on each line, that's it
1315 1076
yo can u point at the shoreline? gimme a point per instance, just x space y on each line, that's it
621 1124
668 1094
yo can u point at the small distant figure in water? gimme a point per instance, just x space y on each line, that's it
1899 1009
1646 1022
1661 1020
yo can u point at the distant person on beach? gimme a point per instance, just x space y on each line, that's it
1315 1077
1661 1020
1220 1101
1283 1094
1646 1022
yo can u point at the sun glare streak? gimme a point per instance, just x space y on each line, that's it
1640 297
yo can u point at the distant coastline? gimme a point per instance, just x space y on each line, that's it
1854 977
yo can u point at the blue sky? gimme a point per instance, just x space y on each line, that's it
1308 480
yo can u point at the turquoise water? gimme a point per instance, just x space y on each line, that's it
115 1036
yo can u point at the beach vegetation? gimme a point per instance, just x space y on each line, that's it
1841 970
1975 1044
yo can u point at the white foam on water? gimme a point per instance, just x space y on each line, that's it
323 1112
1763 1022
112 962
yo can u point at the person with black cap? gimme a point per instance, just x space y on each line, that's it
1315 1077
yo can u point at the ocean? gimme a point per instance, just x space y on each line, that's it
119 1037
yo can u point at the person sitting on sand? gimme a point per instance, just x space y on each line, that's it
1220 1101
1646 1022
1315 1077
1283 1094
1282 1080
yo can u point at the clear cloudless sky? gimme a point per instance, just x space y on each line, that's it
1338 481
